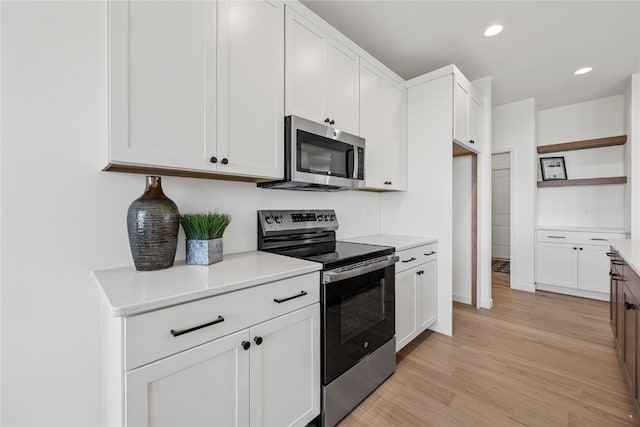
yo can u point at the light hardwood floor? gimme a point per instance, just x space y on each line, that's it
538 359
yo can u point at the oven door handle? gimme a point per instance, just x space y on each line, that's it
336 276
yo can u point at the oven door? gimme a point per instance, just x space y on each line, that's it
358 317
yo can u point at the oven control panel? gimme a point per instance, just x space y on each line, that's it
279 221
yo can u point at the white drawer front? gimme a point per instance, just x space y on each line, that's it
416 256
577 237
149 336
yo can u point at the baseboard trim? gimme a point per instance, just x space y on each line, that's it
462 298
573 292
487 303
527 287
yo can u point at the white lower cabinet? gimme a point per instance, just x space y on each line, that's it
574 262
244 358
416 293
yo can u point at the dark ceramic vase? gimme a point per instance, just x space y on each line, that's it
152 223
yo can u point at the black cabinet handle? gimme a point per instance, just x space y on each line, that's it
409 260
599 240
575 249
616 276
430 253
611 253
246 345
616 262
327 120
258 340
213 159
557 237
332 122
629 306
177 333
471 141
387 183
301 294
225 161
581 248
420 273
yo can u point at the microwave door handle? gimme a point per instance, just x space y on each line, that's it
355 162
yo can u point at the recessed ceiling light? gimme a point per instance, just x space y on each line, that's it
584 70
493 30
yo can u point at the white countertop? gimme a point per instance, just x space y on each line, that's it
583 229
399 242
630 252
129 292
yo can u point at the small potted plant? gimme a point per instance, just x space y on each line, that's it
204 236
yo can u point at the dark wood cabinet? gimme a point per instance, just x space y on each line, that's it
624 314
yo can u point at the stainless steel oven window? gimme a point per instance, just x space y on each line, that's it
361 311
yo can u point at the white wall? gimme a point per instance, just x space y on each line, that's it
632 154
61 217
462 230
514 129
588 206
425 209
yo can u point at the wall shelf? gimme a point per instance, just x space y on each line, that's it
586 181
580 145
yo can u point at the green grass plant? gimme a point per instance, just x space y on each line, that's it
204 226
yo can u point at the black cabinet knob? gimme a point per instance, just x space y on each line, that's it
575 249
580 248
225 161
471 141
327 120
213 159
258 340
332 122
246 345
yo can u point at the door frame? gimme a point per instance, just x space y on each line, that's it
513 263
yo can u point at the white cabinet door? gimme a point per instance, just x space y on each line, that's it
344 87
593 268
205 386
162 83
557 264
306 68
372 97
475 128
250 97
461 112
285 369
394 140
406 305
428 294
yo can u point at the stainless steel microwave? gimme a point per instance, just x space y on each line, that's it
319 157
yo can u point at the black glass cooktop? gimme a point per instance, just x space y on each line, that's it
337 254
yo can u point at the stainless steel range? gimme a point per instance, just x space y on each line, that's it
357 293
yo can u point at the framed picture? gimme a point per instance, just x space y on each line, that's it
553 168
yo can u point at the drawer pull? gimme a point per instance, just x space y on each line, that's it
617 262
301 294
557 237
611 253
629 306
600 240
616 276
175 333
409 260
430 253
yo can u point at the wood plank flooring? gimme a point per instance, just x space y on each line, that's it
538 359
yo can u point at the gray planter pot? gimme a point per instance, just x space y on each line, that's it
204 252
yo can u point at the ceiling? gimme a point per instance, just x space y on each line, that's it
542 44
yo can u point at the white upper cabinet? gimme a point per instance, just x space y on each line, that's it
383 124
250 131
185 80
467 114
322 76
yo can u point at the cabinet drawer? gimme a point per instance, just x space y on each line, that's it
416 256
577 237
157 334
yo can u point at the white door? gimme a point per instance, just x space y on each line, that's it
593 268
205 386
428 294
372 97
394 141
306 68
251 88
501 206
557 264
162 83
475 128
462 280
344 87
285 369
406 304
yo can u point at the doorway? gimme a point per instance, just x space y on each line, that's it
465 225
501 219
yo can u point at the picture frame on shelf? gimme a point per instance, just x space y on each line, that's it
553 168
